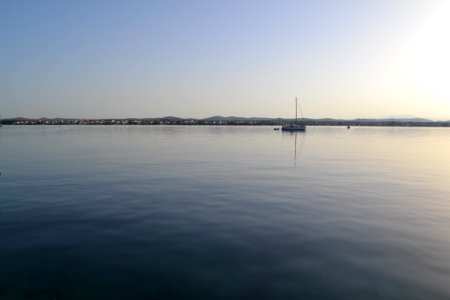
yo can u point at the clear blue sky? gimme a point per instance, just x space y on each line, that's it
344 59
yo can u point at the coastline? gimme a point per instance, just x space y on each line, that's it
224 122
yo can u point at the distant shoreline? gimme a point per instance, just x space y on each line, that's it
224 121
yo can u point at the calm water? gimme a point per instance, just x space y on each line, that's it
224 213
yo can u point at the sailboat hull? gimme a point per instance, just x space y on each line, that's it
294 128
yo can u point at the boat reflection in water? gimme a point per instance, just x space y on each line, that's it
295 134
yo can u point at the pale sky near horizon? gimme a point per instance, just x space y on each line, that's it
343 59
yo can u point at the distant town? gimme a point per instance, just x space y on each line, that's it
219 120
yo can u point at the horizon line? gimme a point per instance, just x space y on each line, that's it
233 116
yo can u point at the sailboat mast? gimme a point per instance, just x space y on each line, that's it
295 110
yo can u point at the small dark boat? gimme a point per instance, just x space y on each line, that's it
276 128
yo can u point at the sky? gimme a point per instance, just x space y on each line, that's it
117 59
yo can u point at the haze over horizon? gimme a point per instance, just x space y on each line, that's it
119 59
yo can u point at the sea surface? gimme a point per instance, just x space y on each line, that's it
199 212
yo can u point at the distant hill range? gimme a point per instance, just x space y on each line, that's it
231 120
395 120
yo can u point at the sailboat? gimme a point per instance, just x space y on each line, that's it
296 126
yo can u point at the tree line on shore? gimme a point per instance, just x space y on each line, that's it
226 121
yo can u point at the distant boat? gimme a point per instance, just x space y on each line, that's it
296 126
276 128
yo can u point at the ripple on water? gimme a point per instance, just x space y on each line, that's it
224 213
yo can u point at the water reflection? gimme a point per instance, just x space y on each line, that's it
170 212
296 136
